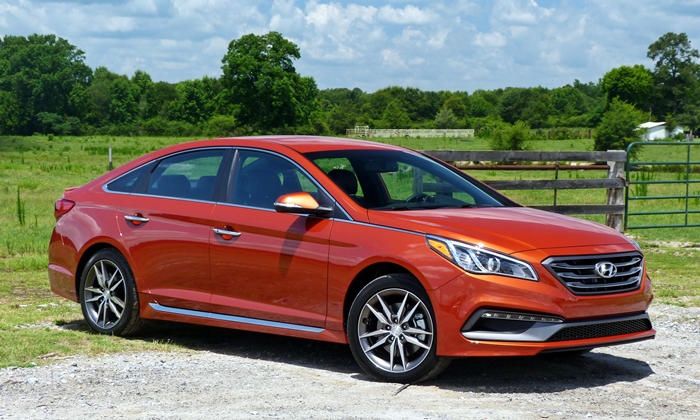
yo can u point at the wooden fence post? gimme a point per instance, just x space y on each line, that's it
615 196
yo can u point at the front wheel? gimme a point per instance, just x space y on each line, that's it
391 330
108 296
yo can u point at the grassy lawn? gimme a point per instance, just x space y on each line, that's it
37 326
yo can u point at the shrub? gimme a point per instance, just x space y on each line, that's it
515 137
220 126
618 127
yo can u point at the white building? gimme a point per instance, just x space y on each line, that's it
658 131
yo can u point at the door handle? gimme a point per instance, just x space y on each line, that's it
226 233
136 219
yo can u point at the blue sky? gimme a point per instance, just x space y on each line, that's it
432 45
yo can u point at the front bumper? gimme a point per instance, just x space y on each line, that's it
487 325
558 320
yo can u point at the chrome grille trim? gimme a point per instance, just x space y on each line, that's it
578 274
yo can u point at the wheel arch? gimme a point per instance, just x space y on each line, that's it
85 257
364 277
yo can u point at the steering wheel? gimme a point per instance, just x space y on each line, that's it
419 198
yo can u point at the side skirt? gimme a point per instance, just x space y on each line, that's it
156 311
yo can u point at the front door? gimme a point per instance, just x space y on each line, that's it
264 264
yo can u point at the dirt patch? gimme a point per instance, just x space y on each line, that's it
247 375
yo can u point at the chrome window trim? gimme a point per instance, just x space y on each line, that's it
302 170
235 319
104 186
237 150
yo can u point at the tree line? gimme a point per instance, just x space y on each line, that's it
46 88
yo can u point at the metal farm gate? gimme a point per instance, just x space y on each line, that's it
662 193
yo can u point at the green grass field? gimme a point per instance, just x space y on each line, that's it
34 171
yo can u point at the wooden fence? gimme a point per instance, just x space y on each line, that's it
615 183
366 132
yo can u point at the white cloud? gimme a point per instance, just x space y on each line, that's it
409 15
437 40
348 43
490 40
392 59
336 16
409 36
116 24
519 12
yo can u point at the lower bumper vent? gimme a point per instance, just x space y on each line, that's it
607 329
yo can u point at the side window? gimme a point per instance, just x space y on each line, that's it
261 178
188 175
403 183
132 181
341 172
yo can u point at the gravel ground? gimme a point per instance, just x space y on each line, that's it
247 375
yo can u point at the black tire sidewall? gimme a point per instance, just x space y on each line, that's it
390 281
131 302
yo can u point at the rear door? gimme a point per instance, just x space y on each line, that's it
166 227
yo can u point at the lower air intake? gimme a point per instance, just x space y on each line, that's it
606 329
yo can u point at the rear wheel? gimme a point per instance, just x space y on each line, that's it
391 330
108 296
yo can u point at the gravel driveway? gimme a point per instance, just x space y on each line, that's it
247 375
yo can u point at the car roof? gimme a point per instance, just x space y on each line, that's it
305 144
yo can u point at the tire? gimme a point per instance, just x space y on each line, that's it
108 296
391 330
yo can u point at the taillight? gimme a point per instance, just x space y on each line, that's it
62 207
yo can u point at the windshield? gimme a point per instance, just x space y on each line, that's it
398 180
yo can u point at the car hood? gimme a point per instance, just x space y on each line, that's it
506 229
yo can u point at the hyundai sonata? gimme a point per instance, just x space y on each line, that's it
405 258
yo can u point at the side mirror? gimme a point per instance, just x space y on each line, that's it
301 203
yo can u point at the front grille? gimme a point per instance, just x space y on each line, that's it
582 277
606 329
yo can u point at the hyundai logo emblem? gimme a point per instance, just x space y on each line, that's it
606 269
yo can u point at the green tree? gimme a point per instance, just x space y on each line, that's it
195 101
482 103
634 85
513 103
395 116
123 108
537 111
567 101
10 113
455 104
675 72
143 89
263 84
445 118
342 117
98 97
156 100
42 73
618 127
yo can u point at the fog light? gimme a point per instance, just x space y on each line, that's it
514 316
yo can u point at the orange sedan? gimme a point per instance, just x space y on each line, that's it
405 258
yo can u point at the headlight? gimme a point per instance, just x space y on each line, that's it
475 259
636 245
